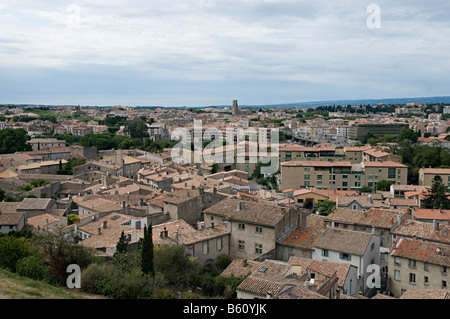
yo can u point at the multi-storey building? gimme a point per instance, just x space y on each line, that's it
340 175
416 264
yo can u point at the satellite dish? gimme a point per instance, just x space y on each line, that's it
438 250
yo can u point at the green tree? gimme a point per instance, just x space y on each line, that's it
12 249
122 244
148 266
136 129
365 189
384 185
32 267
437 197
223 260
325 207
408 134
59 253
13 140
175 265
72 219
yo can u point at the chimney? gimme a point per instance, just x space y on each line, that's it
105 224
399 219
435 225
99 231
269 295
244 263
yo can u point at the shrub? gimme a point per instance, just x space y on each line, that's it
32 267
223 260
12 249
164 294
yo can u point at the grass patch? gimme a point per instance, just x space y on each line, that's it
13 286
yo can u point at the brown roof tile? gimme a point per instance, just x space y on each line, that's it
437 254
346 241
261 213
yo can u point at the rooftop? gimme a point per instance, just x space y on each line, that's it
253 212
346 241
382 218
35 204
437 254
424 230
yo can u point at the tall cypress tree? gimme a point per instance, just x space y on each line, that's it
147 264
122 245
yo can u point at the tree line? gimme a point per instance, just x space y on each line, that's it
149 271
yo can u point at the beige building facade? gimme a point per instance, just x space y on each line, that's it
341 175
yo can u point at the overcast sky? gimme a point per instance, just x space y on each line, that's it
210 52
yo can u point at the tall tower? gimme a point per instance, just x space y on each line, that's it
235 107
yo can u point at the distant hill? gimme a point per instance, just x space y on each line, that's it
428 100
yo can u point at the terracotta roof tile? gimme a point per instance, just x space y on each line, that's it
437 254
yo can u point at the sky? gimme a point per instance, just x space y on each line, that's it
211 52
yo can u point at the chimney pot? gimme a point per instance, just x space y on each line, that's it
99 230
435 225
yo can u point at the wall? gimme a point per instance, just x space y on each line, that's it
434 274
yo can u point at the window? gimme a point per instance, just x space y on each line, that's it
325 252
258 229
412 263
319 179
219 244
241 226
397 261
205 248
444 270
241 245
425 280
258 249
355 207
345 256
412 278
444 284
391 173
397 274
372 247
425 266
191 251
